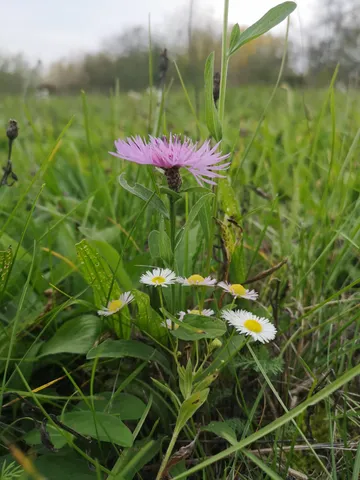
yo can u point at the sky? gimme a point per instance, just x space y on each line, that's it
49 30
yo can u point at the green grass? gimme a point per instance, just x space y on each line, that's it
294 196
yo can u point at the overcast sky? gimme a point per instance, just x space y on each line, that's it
48 30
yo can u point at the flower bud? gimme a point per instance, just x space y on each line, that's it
216 343
12 130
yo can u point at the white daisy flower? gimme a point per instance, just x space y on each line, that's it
115 305
196 281
238 290
259 328
159 277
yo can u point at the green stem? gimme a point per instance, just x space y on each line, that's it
167 454
222 95
172 243
224 64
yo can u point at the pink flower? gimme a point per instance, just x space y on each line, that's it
170 155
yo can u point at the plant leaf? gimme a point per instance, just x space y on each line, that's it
192 217
189 407
272 18
5 265
124 405
211 113
74 336
223 430
147 319
144 193
127 348
99 425
97 273
206 327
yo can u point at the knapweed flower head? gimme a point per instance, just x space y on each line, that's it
206 312
115 305
172 154
196 280
159 277
237 290
259 328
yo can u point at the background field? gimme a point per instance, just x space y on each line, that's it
293 190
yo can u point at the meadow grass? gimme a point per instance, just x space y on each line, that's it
289 409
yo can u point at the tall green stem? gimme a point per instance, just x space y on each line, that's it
172 243
168 454
222 95
224 64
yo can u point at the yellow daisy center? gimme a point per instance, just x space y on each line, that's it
158 280
194 279
115 305
253 325
237 289
195 312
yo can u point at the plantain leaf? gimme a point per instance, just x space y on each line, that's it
211 113
5 265
272 18
97 273
147 319
223 430
127 348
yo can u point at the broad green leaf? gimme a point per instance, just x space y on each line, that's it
135 458
189 407
58 439
164 245
124 405
145 194
211 113
223 430
102 426
74 336
228 200
147 319
5 264
272 18
206 327
97 273
192 216
63 464
127 348
111 256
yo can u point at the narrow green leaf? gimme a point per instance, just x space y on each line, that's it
127 348
356 470
279 422
270 473
211 113
234 36
154 241
135 458
272 18
189 407
74 336
192 216
145 194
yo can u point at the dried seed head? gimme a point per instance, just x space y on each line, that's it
12 130
173 178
